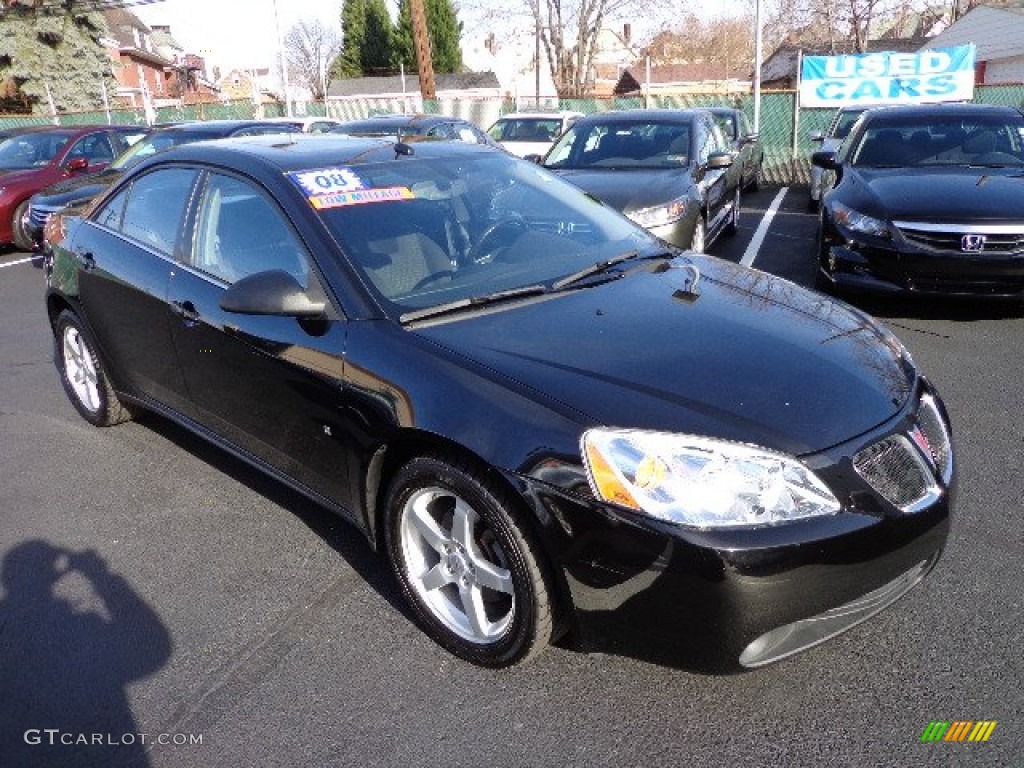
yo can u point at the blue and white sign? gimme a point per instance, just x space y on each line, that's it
938 74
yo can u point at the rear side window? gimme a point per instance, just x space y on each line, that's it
152 209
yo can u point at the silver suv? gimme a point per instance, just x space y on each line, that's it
830 140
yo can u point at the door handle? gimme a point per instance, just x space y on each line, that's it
186 310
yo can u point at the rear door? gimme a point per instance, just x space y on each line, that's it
270 385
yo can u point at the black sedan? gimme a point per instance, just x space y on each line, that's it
928 200
549 421
81 189
665 169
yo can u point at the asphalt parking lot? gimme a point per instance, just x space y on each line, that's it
158 589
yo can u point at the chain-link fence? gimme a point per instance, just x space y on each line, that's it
784 129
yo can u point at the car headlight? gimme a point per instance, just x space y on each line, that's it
856 221
700 481
659 215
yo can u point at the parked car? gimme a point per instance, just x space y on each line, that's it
830 140
551 421
531 133
80 189
414 127
308 124
665 169
34 158
928 200
746 144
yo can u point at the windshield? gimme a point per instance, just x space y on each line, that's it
622 145
429 231
30 150
540 129
153 143
930 140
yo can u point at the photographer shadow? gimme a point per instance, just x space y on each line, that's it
73 635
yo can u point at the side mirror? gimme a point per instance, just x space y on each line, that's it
533 158
78 164
718 160
750 138
274 292
827 160
817 136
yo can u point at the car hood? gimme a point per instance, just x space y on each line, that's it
630 190
949 194
24 175
753 358
80 187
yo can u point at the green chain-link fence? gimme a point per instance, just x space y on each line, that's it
786 160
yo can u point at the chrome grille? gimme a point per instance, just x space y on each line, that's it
937 435
998 239
897 470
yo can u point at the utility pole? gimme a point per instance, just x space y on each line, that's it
424 61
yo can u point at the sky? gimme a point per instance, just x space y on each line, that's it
234 33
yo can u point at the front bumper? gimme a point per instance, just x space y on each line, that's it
850 266
722 601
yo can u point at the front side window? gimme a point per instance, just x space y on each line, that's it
95 148
240 232
152 209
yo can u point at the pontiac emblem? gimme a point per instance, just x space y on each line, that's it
972 243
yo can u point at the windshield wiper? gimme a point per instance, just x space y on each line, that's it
604 266
472 302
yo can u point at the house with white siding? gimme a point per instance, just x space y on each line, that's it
998 35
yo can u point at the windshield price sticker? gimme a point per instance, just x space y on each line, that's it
360 196
327 181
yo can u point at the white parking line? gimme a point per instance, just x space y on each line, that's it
19 261
762 229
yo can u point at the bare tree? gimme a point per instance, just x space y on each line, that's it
310 47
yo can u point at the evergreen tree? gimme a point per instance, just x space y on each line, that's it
353 31
379 40
443 30
59 48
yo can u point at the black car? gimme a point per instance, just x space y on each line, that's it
81 189
667 170
548 420
746 144
928 200
418 126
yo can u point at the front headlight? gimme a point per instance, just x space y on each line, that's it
856 221
659 215
700 481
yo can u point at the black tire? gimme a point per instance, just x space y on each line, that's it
19 228
82 374
733 225
441 571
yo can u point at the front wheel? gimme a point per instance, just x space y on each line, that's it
468 564
82 374
697 241
19 228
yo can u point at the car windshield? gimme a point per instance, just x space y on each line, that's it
927 139
30 150
622 145
431 231
526 129
153 143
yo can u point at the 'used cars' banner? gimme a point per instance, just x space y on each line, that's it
939 74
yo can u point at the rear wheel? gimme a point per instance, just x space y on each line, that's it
19 228
82 374
467 563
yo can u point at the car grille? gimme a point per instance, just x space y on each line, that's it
907 469
997 240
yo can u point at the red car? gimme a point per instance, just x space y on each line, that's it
38 156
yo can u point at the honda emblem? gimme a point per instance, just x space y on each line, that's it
972 243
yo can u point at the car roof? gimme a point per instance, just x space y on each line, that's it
644 115
71 129
945 109
541 115
303 151
222 127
